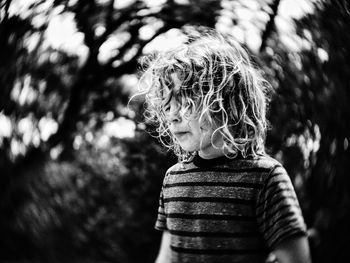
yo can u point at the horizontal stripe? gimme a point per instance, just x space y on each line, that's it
281 231
215 234
212 192
223 170
215 177
217 251
202 225
211 217
212 208
217 242
277 217
279 200
223 184
274 174
209 199
246 258
286 234
268 213
275 184
279 224
287 194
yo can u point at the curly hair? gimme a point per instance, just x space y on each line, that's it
219 83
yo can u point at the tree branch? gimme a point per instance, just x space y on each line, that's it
126 14
128 44
130 65
87 80
109 16
84 12
7 6
270 26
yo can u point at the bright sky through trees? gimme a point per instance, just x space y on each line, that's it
62 34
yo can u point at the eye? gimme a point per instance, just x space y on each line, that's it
166 102
166 108
188 106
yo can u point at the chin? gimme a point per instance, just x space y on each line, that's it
189 148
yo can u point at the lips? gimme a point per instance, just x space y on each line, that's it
180 134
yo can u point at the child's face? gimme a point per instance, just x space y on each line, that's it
188 131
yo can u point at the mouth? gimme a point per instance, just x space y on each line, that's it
181 134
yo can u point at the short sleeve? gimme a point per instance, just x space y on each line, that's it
161 218
278 212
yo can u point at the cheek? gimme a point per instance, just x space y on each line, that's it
205 124
201 129
206 135
206 128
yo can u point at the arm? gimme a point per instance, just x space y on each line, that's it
164 251
292 250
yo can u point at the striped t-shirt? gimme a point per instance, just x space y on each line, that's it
228 210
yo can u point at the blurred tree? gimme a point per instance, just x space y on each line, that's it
270 25
69 191
52 102
100 207
310 117
326 90
80 87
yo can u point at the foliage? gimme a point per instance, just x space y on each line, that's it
69 89
60 199
327 66
106 200
310 116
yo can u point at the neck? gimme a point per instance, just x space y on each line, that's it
213 153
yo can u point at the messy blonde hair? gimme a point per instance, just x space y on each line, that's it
219 84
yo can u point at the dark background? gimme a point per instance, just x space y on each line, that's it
79 194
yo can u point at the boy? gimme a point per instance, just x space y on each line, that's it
226 200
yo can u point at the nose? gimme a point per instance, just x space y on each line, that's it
173 115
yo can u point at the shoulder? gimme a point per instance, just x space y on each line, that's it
266 166
173 168
265 161
276 176
180 166
262 162
276 169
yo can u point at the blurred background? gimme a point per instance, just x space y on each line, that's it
79 174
